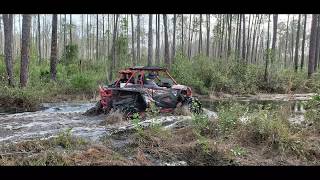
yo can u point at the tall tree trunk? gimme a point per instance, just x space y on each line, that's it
182 36
97 40
113 51
286 46
274 37
166 42
132 42
200 35
297 46
138 38
303 41
25 49
312 49
239 37
236 40
39 39
54 51
8 38
208 34
189 39
150 43
317 45
292 41
248 37
229 36
64 33
254 36
257 42
244 37
103 38
158 40
267 58
70 28
108 46
174 38
222 34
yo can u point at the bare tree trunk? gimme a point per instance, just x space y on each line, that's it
138 38
189 39
254 37
25 48
200 36
274 37
182 36
97 40
239 37
132 42
88 40
317 45
64 34
292 41
70 28
150 35
244 37
312 49
8 38
297 46
257 42
108 36
39 39
103 38
54 51
286 47
174 38
158 39
221 40
267 58
208 34
113 66
229 38
166 42
303 41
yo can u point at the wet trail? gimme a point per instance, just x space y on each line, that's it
57 117
49 122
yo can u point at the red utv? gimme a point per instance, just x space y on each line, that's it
137 87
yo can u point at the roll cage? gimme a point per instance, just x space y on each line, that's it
127 75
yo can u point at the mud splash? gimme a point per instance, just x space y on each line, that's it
56 118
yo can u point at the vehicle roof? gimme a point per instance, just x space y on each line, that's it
148 68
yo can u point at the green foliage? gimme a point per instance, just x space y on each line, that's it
313 111
205 75
238 151
200 121
229 117
135 121
153 110
270 128
82 83
71 54
64 139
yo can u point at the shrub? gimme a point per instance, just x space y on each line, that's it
82 83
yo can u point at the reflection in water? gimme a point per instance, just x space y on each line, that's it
296 107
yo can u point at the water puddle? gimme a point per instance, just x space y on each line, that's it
57 117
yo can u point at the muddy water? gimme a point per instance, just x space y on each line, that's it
57 117
295 107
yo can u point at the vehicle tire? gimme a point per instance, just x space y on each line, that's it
96 110
194 105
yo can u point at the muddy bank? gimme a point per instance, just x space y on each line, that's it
257 97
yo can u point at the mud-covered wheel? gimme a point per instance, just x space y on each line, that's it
194 105
95 110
